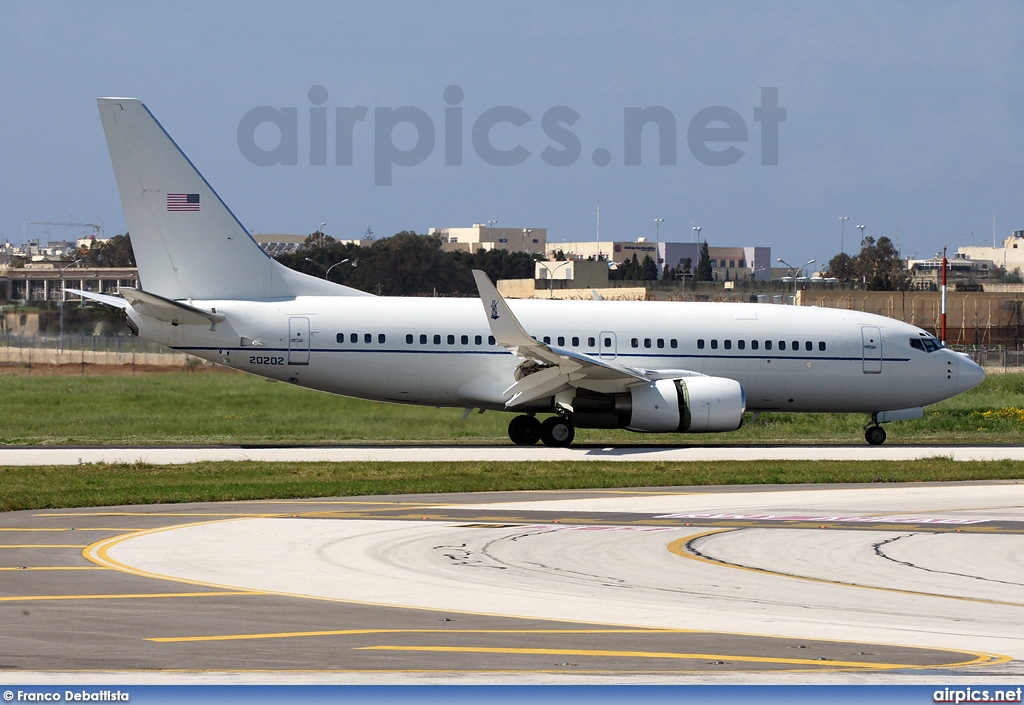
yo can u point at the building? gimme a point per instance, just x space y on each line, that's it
1008 257
483 236
727 263
960 267
41 281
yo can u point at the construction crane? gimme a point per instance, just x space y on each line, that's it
97 227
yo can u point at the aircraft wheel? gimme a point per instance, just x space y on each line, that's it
524 430
557 431
875 435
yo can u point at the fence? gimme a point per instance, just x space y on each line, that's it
28 350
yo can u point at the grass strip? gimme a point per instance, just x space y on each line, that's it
112 485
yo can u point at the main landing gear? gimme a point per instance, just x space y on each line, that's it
527 430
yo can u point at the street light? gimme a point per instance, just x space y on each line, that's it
551 275
62 297
861 228
490 232
842 225
793 270
657 243
696 229
322 226
327 274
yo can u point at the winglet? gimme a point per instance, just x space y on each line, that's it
505 327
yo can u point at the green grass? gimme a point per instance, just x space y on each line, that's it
223 407
111 485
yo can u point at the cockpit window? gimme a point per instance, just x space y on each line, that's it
927 344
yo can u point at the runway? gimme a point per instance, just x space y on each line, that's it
41 455
845 584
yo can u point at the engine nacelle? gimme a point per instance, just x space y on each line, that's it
688 405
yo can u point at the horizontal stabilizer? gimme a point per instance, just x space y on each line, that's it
166 310
108 299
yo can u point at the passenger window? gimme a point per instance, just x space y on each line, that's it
728 345
607 342
741 344
714 344
767 345
490 340
673 343
437 339
660 342
782 345
381 337
478 340
754 344
408 338
796 346
367 337
575 341
547 340
700 343
647 342
561 341
341 338
354 338
635 342
808 346
423 339
465 340
591 342
821 346
451 340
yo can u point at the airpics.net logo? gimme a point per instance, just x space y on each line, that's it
407 136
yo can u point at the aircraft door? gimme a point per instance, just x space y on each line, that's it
872 339
298 341
607 345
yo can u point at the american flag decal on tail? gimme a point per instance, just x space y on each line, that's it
183 202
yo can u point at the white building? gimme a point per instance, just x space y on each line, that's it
1010 256
483 236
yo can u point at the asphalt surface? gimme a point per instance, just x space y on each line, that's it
663 585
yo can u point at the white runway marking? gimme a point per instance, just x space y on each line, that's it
163 456
889 585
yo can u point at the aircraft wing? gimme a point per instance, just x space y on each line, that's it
548 370
167 310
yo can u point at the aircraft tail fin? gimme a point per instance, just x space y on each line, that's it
187 242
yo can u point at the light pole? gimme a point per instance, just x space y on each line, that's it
490 232
861 228
327 274
793 270
842 225
697 229
526 238
322 226
62 297
657 243
551 275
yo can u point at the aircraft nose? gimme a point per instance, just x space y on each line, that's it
969 374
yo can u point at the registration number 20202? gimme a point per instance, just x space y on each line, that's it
265 360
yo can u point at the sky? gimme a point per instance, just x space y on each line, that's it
905 117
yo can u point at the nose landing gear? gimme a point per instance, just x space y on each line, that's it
874 434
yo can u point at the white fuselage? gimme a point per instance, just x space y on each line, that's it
786 358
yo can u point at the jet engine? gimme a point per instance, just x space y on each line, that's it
696 404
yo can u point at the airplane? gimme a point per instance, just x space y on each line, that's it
206 288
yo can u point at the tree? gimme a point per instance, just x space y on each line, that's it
842 267
115 252
648 269
704 273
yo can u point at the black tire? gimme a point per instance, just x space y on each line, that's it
874 435
557 431
524 430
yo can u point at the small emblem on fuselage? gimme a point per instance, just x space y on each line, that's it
494 309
